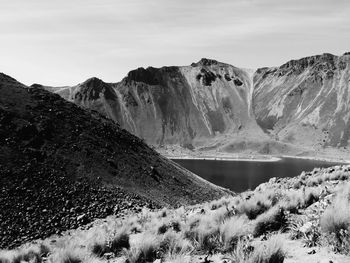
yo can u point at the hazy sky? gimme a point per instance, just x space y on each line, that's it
64 42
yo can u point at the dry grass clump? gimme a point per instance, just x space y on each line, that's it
234 229
273 220
270 251
258 203
335 222
115 244
144 249
204 234
32 254
67 256
337 216
174 245
319 176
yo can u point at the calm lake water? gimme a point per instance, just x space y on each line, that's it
242 175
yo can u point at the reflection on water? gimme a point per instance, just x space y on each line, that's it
242 175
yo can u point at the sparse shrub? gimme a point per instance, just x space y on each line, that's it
163 212
241 252
173 245
294 224
44 250
311 238
232 230
204 231
336 217
311 196
297 199
293 200
270 251
162 229
99 249
177 259
298 184
258 204
119 242
176 226
66 256
144 250
272 220
339 243
27 256
253 209
132 255
208 240
335 222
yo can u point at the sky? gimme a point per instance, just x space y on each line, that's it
64 42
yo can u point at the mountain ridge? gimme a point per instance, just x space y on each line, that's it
212 103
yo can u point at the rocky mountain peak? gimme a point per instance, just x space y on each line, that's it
206 62
36 85
94 81
325 61
143 75
92 88
6 79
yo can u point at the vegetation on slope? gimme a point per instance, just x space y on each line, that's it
252 227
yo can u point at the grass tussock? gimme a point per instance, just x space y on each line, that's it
335 222
273 220
67 256
234 229
271 251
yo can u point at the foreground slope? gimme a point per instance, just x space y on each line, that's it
61 165
286 220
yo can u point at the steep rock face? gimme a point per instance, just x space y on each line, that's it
184 105
305 101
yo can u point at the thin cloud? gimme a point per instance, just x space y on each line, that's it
63 42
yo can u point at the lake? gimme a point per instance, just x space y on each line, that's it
240 176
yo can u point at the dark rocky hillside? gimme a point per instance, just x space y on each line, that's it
62 166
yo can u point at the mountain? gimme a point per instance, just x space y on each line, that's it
61 166
173 105
305 101
299 107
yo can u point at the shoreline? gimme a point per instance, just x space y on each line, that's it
265 158
323 159
225 158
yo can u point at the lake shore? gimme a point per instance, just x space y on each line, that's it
219 156
228 158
